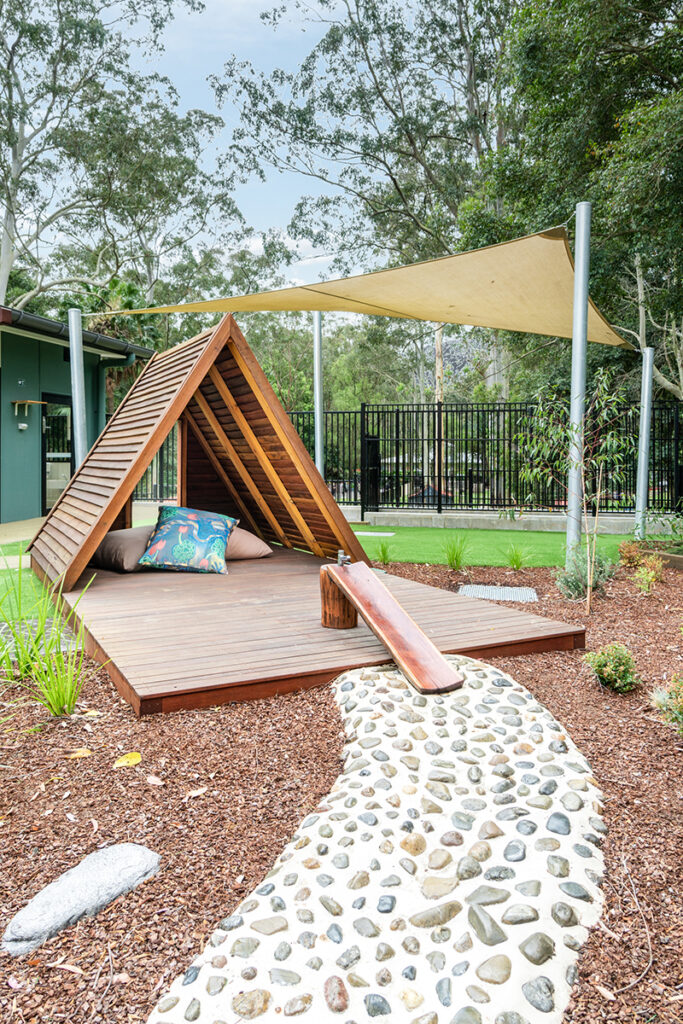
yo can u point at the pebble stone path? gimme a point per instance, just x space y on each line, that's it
449 878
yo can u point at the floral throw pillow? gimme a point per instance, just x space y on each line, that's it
188 540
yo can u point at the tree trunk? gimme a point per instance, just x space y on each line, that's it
8 242
675 348
642 313
151 277
7 253
438 363
498 375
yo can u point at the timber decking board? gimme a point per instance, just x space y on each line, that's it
186 640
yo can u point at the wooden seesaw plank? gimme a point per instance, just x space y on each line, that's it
412 650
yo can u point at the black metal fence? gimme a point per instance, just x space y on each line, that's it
342 434
160 480
465 456
453 456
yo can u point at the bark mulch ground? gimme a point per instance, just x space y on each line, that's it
638 762
237 780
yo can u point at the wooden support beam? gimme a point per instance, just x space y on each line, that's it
279 421
222 475
263 460
124 519
235 459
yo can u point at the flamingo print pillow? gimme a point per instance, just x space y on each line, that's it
188 540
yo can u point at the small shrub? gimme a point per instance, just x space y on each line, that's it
649 572
614 666
515 556
630 553
455 550
383 552
573 582
669 702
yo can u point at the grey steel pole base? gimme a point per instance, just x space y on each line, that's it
578 384
78 412
319 442
643 475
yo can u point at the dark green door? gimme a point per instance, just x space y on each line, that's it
57 447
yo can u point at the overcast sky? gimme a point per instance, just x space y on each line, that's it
198 45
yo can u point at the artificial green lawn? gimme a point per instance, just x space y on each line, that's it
16 547
31 589
426 544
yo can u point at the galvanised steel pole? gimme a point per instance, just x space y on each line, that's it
318 431
80 429
643 476
578 384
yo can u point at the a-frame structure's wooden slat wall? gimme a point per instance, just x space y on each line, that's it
239 454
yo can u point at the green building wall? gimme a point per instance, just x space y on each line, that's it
43 369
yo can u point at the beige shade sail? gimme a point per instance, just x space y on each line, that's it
523 285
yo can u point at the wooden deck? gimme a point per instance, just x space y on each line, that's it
187 640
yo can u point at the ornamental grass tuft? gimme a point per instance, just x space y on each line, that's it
38 649
455 550
383 552
516 556
669 702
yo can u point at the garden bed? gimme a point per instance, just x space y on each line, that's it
638 761
238 779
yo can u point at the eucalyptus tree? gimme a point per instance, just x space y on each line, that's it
165 201
599 92
98 169
395 111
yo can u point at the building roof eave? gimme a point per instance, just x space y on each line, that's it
47 328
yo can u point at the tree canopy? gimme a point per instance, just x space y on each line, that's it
439 127
99 170
427 127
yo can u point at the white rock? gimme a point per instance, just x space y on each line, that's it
81 891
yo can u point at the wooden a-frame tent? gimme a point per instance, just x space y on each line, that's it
188 640
238 454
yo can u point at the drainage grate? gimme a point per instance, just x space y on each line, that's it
526 594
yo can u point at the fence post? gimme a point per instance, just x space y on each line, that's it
363 460
643 472
439 456
397 459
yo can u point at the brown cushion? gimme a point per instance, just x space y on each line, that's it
242 544
121 550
